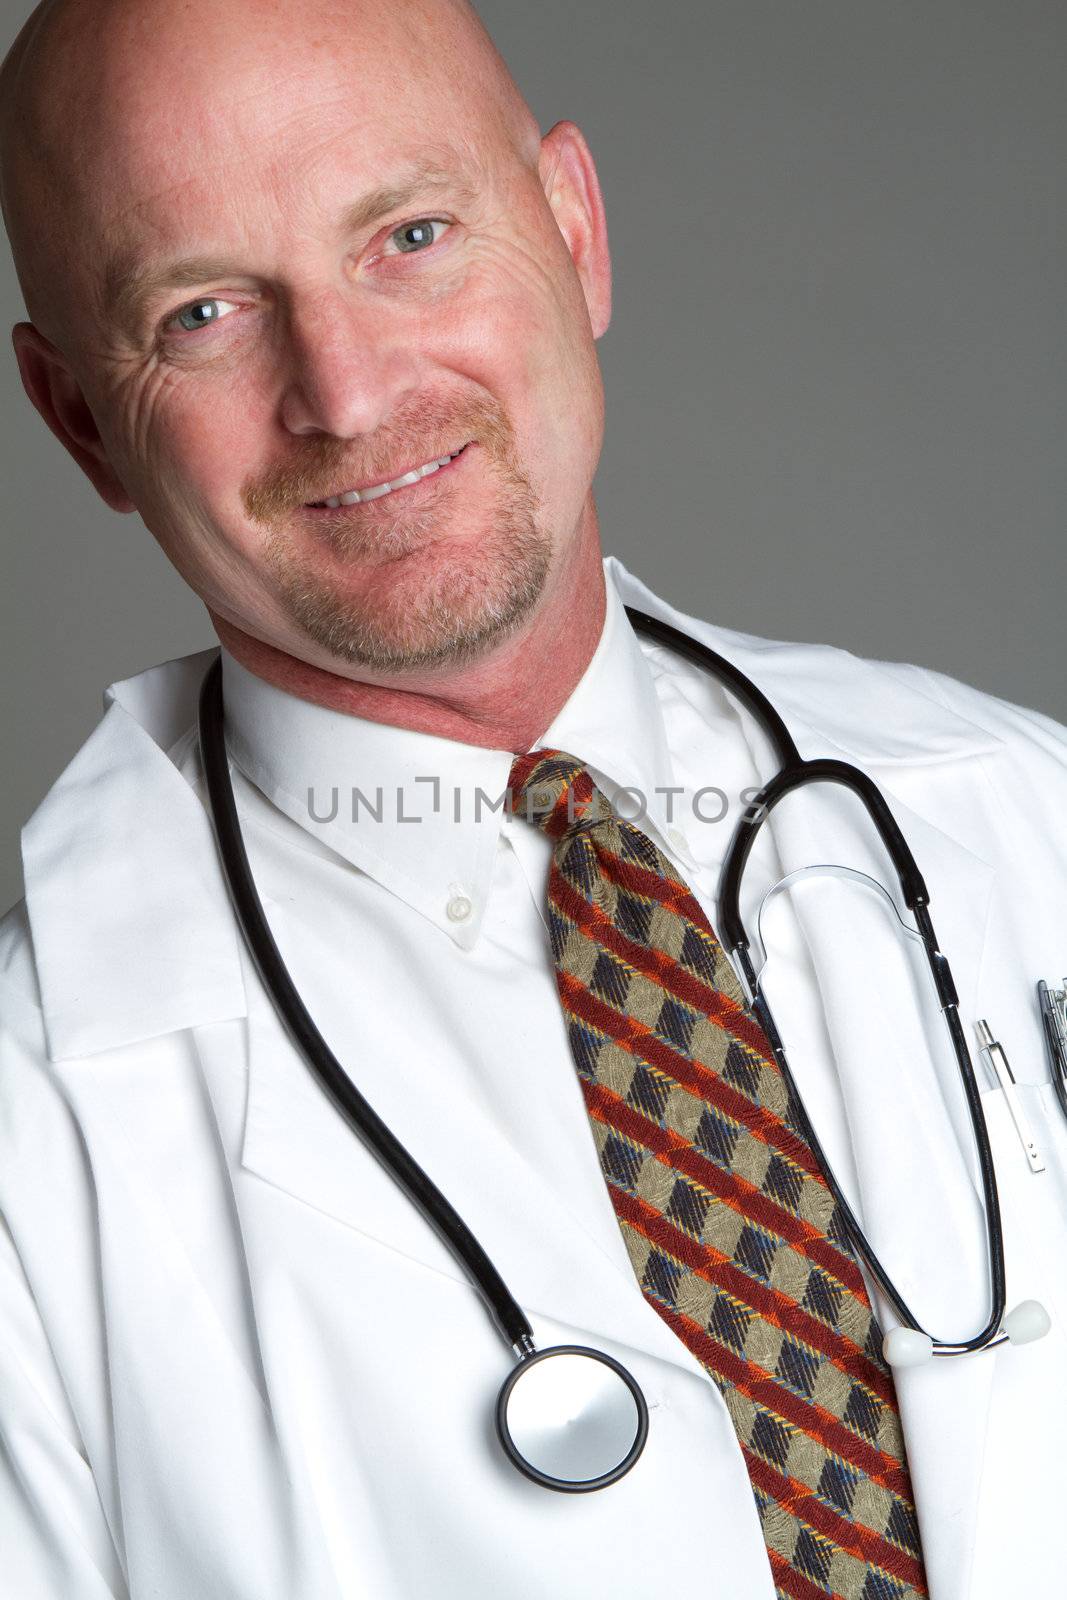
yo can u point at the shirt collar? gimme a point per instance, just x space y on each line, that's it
132 930
420 814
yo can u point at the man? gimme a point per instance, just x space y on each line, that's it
271 255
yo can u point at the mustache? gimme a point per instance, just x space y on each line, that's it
327 465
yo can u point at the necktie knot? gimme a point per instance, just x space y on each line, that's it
554 791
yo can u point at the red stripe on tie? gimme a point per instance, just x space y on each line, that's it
648 885
736 1190
566 811
665 887
674 1151
674 980
657 965
793 1583
803 1415
785 1490
640 1042
794 1496
772 1304
699 1079
859 1541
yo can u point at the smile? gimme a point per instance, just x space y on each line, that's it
352 497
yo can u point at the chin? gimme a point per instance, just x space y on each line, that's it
443 605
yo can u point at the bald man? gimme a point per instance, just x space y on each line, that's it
309 291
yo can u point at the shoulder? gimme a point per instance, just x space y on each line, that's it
1024 730
145 722
134 749
873 710
1019 778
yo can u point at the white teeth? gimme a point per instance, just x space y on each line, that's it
354 496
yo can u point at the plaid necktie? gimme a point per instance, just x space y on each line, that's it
733 1234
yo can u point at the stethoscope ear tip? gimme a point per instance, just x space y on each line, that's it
907 1347
1026 1322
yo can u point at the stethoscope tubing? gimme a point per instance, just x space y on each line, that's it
794 773
916 898
357 1111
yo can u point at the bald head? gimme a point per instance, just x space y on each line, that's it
101 99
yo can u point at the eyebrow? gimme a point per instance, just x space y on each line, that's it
129 287
426 177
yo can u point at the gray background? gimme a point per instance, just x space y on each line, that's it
835 373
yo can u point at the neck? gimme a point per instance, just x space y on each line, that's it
504 702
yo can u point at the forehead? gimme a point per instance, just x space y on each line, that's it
256 121
228 73
180 138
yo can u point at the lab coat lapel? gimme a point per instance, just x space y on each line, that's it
573 1269
917 1177
132 931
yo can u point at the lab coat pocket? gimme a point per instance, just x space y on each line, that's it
1021 1486
1033 1204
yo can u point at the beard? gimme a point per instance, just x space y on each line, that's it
425 602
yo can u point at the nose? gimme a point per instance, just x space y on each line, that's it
345 375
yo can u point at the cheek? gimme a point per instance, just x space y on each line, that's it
530 342
189 434
187 444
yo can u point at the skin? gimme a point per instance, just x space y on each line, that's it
324 357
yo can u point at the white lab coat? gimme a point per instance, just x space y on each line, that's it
141 1454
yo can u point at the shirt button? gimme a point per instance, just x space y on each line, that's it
677 841
458 908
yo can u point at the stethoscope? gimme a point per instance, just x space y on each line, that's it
570 1417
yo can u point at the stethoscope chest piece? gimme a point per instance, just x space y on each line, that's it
571 1418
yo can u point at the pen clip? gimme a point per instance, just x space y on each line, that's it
998 1065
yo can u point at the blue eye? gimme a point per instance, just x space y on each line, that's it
199 314
418 234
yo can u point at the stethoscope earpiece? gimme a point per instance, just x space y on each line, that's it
1026 1322
907 1347
910 1347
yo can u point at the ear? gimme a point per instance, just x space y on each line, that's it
55 393
571 185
